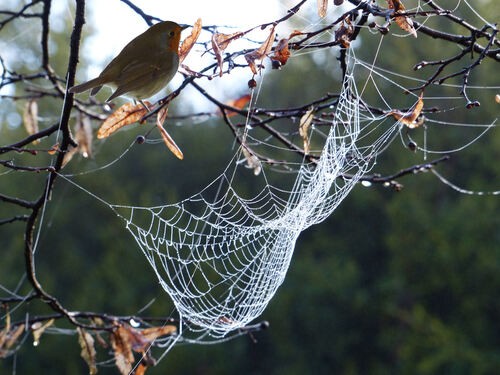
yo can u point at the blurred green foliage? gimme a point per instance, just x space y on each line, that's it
399 283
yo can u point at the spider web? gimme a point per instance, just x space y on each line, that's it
221 256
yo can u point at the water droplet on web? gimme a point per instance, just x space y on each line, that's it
134 323
366 183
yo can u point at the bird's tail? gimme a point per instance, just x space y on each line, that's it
94 84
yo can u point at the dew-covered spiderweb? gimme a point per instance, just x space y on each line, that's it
220 256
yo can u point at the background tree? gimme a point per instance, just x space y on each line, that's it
401 283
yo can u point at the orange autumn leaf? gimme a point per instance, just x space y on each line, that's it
281 51
141 369
238 103
403 22
189 42
125 115
169 142
53 149
261 52
409 119
322 7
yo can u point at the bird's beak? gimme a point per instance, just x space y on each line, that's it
184 27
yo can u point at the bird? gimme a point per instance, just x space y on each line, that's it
143 67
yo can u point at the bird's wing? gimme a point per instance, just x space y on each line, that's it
136 75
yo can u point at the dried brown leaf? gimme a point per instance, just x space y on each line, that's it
238 103
5 331
53 149
13 336
281 52
8 337
160 118
409 119
220 43
83 136
88 352
141 369
223 40
189 42
151 334
322 7
30 118
122 348
125 115
261 52
38 329
344 32
253 162
305 122
403 22
218 54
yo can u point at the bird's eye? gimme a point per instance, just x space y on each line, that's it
171 33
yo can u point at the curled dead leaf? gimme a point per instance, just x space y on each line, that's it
223 40
322 7
220 43
189 42
409 119
261 52
344 33
218 55
122 349
30 118
53 149
125 115
83 137
405 23
38 329
152 333
281 52
253 162
8 337
141 369
88 352
305 122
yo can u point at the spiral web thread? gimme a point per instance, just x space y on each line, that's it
222 257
